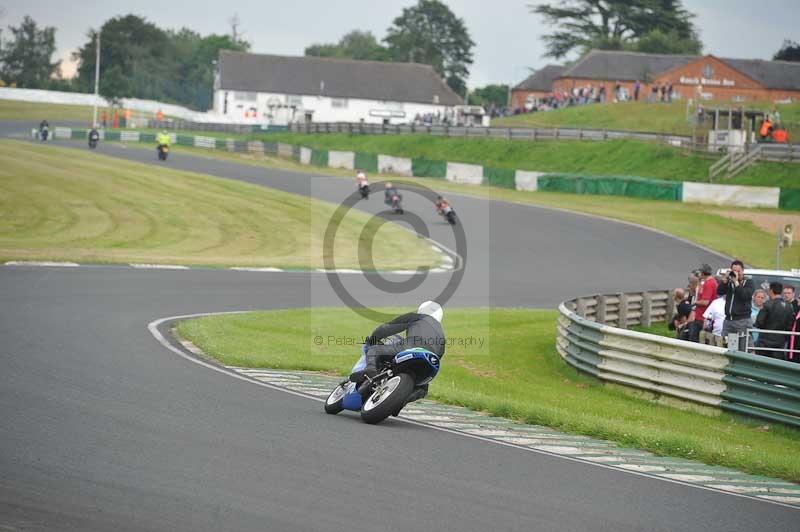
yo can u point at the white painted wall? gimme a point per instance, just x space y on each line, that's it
275 108
527 180
470 174
735 195
394 165
341 159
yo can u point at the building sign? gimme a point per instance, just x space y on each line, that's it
724 82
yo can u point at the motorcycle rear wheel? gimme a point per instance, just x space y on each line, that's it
388 398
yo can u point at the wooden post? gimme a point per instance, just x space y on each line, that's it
600 310
623 311
647 309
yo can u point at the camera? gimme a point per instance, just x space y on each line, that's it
732 275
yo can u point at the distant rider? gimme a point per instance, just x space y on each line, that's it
389 193
361 179
162 139
43 126
442 206
423 328
94 136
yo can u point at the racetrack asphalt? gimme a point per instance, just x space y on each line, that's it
102 428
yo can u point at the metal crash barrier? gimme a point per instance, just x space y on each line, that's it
593 337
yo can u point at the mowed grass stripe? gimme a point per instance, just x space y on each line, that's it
64 204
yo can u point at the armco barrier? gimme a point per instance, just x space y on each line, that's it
592 338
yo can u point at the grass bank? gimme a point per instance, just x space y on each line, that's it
615 158
639 116
737 232
65 204
36 112
515 374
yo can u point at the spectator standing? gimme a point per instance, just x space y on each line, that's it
788 296
670 92
738 293
759 298
793 354
636 88
705 294
714 317
776 315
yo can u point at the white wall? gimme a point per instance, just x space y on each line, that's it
321 107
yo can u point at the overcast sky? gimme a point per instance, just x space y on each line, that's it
506 34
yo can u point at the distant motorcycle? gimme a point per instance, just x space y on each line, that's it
94 138
364 190
163 151
450 216
397 203
44 133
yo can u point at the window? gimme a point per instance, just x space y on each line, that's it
339 103
294 101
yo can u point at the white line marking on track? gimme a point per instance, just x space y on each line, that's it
42 263
159 266
254 269
592 461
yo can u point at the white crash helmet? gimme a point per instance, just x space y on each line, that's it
432 309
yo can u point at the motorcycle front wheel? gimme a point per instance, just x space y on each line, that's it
388 398
333 404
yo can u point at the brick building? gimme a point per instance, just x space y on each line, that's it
537 85
707 77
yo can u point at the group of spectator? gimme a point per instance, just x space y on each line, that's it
772 130
710 309
589 93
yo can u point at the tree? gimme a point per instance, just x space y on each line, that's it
26 57
140 60
357 44
430 33
790 51
661 42
616 25
489 95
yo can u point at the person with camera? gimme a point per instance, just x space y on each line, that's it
738 293
776 315
683 307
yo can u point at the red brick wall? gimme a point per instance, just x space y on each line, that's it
742 85
518 97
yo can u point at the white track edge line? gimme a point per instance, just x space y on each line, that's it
153 328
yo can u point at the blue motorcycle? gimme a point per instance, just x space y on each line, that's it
388 392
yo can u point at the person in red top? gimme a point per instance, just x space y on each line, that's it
706 293
780 136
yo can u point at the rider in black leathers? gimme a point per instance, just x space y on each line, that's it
423 328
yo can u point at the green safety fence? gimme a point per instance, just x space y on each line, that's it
295 152
184 140
112 135
147 137
366 161
221 144
612 186
500 177
428 168
790 199
78 134
319 157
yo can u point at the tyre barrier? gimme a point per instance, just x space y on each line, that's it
593 338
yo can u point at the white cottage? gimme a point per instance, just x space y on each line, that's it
276 89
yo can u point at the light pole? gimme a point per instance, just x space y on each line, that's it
96 79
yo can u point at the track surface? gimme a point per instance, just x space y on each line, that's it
101 427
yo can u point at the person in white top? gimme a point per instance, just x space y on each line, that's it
714 317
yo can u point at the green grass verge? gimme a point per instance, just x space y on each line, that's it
36 112
639 116
614 158
65 204
709 226
517 374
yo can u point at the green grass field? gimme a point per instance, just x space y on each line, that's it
713 227
515 374
615 158
65 204
640 116
36 112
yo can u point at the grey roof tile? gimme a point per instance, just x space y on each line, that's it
338 78
542 79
